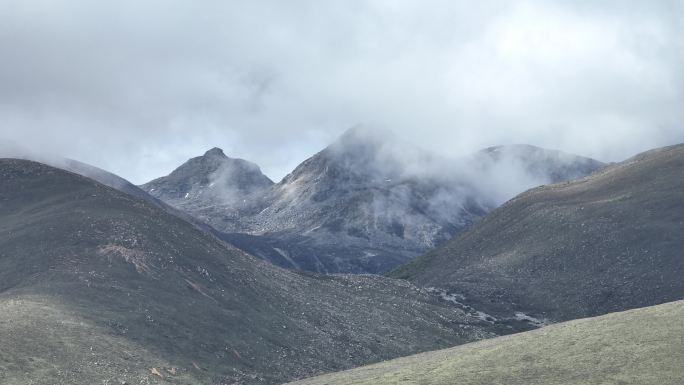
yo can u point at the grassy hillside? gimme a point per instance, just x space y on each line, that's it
643 346
99 287
608 242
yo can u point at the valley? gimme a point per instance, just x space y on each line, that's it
104 283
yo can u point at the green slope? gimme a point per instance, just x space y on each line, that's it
642 346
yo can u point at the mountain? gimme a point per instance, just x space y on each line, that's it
355 207
211 182
98 286
641 346
13 150
506 171
366 203
607 242
549 165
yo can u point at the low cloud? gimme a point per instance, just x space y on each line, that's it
139 87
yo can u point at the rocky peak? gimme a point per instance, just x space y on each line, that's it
214 153
361 137
212 174
358 155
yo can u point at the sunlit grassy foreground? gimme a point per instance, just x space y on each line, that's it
642 346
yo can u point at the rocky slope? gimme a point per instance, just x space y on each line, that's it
212 181
607 242
366 203
641 346
97 286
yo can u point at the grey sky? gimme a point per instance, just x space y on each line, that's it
137 87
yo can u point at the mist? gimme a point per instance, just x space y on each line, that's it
137 88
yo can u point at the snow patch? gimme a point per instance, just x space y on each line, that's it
312 229
287 257
456 299
520 316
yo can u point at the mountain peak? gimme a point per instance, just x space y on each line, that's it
360 153
215 152
363 136
213 175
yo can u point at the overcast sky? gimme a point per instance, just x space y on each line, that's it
137 87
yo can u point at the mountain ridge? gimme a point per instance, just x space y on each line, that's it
369 202
606 242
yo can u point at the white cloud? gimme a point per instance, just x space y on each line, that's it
137 87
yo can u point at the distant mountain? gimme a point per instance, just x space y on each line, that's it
98 286
357 207
366 203
210 183
634 347
506 171
551 166
607 242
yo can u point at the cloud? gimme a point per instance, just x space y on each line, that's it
137 87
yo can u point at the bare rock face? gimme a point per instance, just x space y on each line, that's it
366 203
607 242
